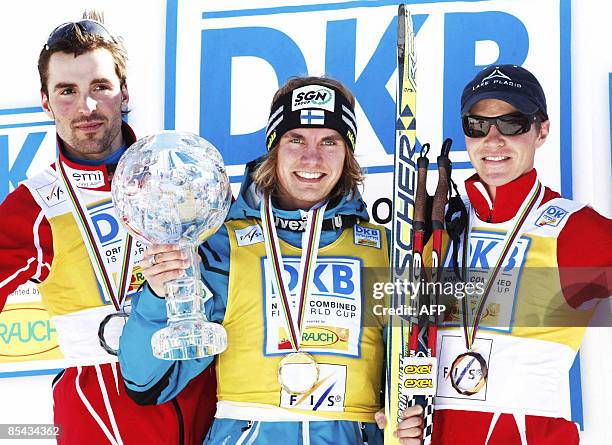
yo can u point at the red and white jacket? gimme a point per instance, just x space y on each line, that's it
533 321
41 241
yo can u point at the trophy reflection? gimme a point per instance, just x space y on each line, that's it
171 188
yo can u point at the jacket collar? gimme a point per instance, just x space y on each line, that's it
508 197
93 177
248 201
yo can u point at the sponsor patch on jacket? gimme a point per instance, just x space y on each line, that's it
551 216
365 236
90 179
52 194
486 247
328 394
249 235
332 317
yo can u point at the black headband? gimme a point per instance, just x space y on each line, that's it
312 106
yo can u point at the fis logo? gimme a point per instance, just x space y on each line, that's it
364 236
313 96
52 194
552 216
328 394
249 235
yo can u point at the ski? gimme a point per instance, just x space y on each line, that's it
398 329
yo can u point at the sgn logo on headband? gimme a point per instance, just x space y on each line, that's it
313 96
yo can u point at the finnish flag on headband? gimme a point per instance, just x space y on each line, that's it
312 117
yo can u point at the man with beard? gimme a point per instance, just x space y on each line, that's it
51 235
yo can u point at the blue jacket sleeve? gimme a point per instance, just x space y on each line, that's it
149 380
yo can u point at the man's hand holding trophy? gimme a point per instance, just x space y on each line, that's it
171 188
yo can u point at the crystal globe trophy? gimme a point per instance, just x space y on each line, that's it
171 188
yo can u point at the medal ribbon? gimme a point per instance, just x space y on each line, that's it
104 276
308 260
532 202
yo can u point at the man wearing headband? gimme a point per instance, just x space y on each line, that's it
55 233
506 369
289 274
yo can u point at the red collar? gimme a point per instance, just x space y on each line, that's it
94 177
508 197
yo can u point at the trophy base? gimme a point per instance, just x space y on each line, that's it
189 339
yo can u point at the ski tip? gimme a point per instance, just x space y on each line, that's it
401 26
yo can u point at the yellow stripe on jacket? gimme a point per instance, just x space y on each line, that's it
340 331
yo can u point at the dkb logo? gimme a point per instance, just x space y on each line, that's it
331 277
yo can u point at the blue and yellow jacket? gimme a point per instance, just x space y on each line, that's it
350 354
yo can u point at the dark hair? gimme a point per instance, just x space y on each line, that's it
265 177
79 42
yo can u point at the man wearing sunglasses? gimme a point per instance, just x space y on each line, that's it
504 369
60 231
505 122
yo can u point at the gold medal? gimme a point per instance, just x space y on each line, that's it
469 373
298 372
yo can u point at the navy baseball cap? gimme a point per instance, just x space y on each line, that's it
510 83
